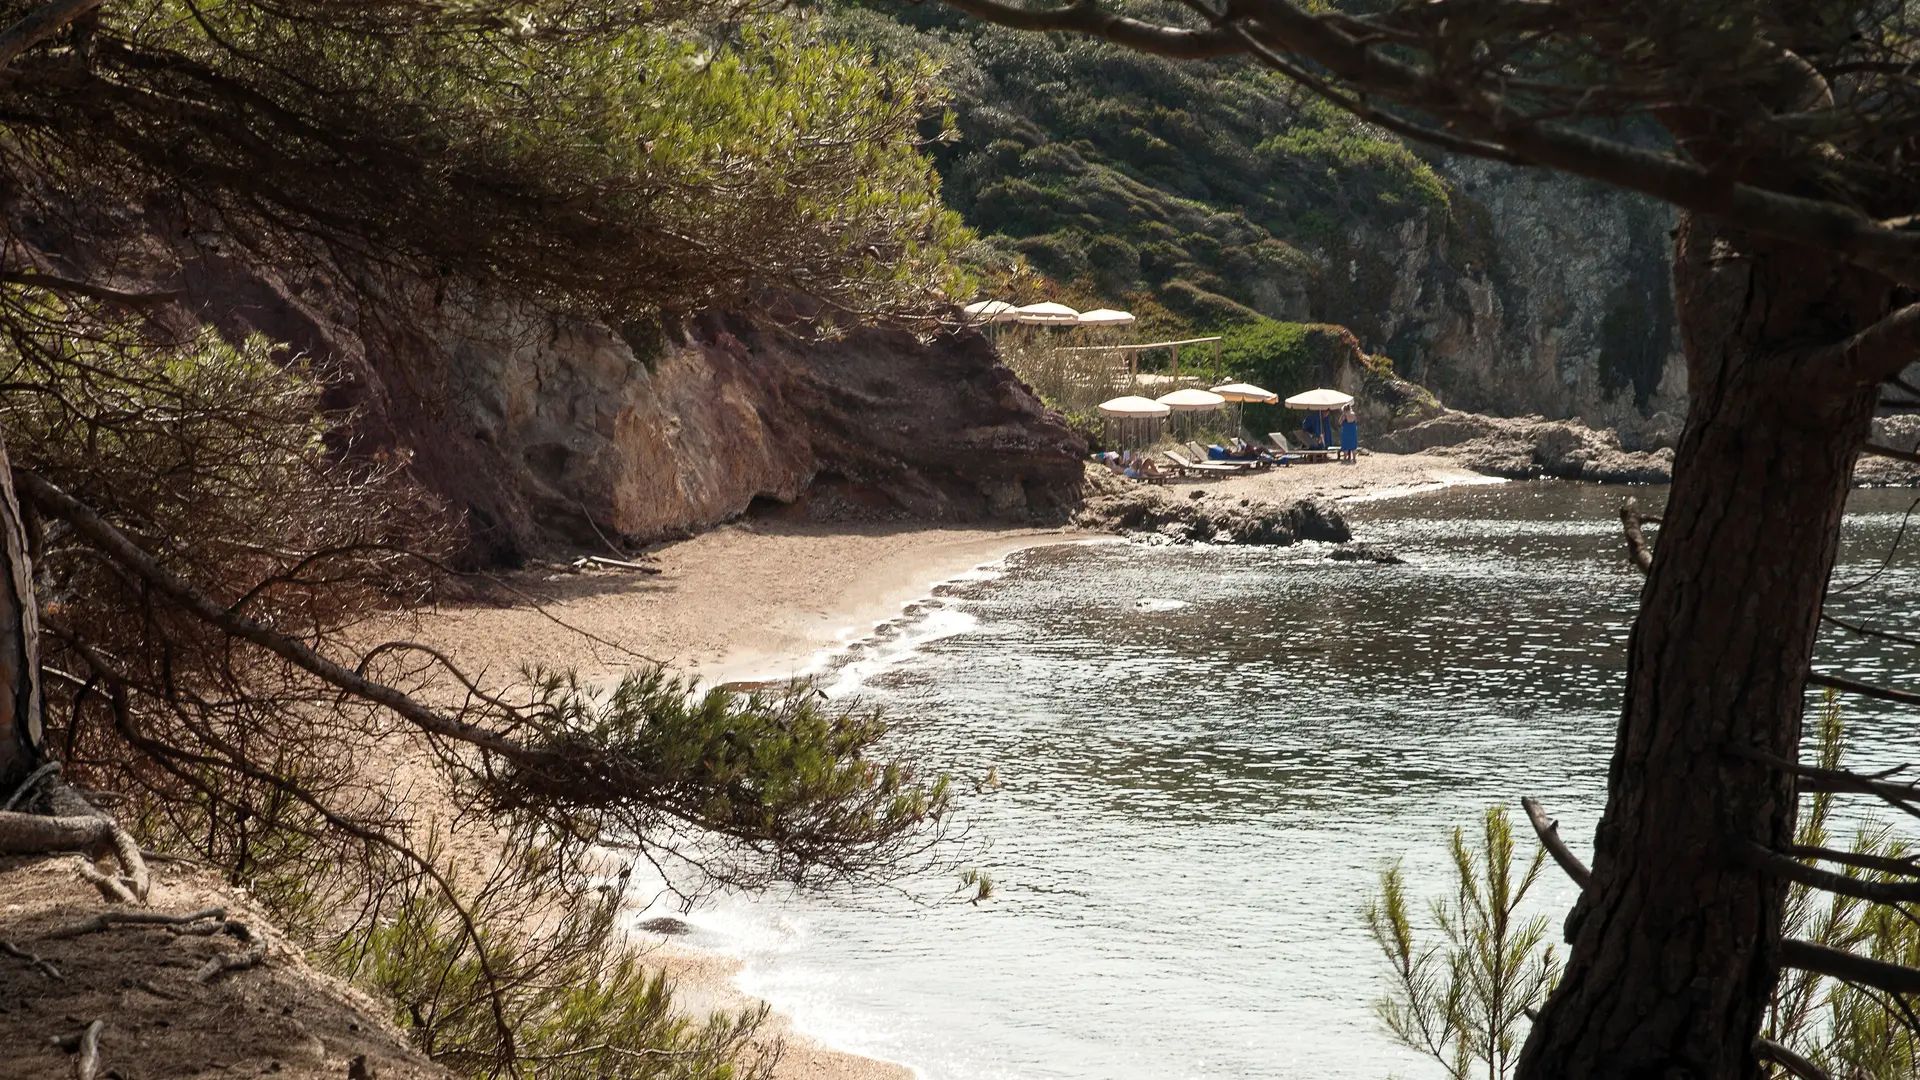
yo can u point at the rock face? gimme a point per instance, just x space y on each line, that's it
1531 447
1115 504
583 435
1534 293
544 428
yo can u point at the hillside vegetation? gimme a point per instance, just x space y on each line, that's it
1161 185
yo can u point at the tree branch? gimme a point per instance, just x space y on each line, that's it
1850 967
1088 18
1637 547
40 25
1882 863
1789 1060
1549 833
1854 686
52 283
110 540
1880 350
1813 780
1771 862
1877 450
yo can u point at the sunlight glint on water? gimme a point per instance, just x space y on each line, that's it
1208 754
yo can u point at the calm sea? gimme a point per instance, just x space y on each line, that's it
1206 757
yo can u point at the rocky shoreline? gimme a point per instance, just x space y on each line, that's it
1131 508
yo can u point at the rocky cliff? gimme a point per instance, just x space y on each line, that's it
1532 293
545 429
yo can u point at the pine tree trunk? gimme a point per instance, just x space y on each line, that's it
1674 943
20 744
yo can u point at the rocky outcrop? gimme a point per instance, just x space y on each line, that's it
546 429
1531 447
727 413
1114 504
1900 433
1530 293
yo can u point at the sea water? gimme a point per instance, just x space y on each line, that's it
1205 757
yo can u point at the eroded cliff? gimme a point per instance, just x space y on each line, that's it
548 429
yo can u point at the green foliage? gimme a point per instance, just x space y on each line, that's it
1065 143
1283 357
1847 1030
779 786
503 985
618 159
1461 1000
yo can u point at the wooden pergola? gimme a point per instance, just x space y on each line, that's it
1133 353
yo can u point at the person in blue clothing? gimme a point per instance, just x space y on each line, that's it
1349 436
1311 425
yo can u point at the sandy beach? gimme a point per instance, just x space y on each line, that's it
759 600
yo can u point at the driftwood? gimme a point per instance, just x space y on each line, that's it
585 561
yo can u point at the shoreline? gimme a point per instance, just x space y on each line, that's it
764 601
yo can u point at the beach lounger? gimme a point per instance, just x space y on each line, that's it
1200 468
1200 455
1280 441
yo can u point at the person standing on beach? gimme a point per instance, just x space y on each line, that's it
1349 436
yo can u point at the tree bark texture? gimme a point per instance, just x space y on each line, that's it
20 741
1675 943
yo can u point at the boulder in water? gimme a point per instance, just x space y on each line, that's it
1368 553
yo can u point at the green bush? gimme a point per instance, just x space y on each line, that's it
1284 357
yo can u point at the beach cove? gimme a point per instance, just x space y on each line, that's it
1293 726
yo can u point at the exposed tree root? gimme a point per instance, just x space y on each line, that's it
26 786
74 824
251 956
88 1065
35 959
107 920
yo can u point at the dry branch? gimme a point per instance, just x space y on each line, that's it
1813 780
1877 450
1548 831
1907 866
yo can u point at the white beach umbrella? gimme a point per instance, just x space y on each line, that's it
1105 317
1191 400
1131 407
1320 399
1047 313
1239 391
991 311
